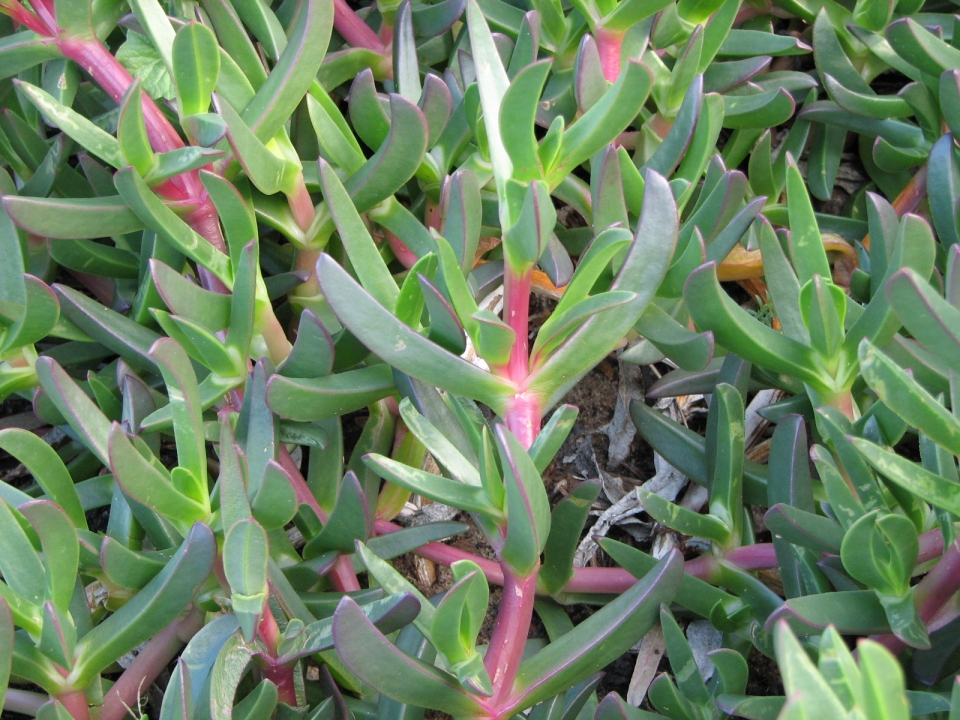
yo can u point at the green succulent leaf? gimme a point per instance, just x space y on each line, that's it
245 552
72 218
528 508
683 520
196 67
399 345
919 481
152 609
47 469
96 141
376 661
606 634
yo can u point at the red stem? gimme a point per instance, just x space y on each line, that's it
106 70
103 67
75 703
26 18
282 677
268 630
301 205
353 29
593 579
510 632
279 674
405 255
609 44
97 61
149 663
516 311
342 575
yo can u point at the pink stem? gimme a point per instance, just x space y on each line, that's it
386 34
516 311
282 677
149 663
446 554
75 703
300 487
609 44
748 557
523 417
103 67
279 674
509 637
627 140
512 625
342 576
523 411
26 18
268 630
301 205
353 29
600 580
939 585
100 287
931 546
431 216
405 255
206 222
592 579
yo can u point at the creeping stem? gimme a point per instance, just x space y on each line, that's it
148 665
